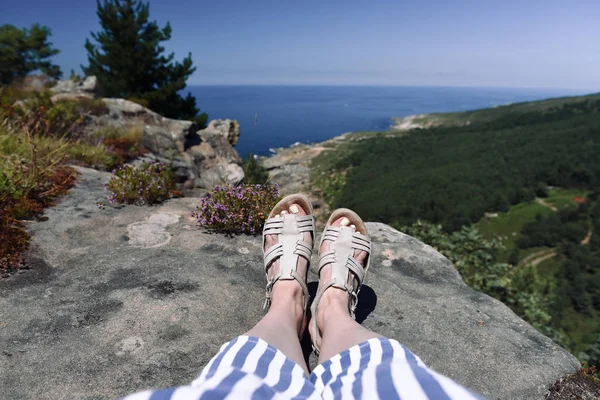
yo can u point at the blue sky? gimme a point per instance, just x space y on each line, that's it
484 43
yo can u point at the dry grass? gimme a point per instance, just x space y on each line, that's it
582 385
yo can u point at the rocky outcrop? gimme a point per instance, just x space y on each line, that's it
201 157
120 300
88 85
228 128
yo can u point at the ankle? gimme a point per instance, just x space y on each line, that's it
288 295
332 306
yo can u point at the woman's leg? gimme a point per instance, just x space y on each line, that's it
338 329
280 326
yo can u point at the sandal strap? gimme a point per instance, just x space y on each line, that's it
288 249
340 256
294 275
357 269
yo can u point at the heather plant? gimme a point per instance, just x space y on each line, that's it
237 209
150 183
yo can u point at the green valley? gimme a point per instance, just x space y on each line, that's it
510 194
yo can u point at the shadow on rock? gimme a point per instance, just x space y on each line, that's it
367 301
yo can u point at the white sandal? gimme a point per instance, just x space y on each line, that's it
344 241
290 229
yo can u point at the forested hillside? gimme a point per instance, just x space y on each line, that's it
522 164
454 175
494 113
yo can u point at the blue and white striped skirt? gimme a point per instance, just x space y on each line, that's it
249 368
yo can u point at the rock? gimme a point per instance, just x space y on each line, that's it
88 85
124 107
34 83
215 159
230 129
120 300
70 96
208 155
162 136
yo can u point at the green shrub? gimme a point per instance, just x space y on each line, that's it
521 288
201 120
541 190
513 258
237 209
254 172
150 183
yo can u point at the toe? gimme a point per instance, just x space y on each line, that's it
296 209
360 256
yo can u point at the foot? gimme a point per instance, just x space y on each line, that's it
288 293
335 300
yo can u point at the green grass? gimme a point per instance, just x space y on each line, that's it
506 227
550 267
15 144
563 198
582 329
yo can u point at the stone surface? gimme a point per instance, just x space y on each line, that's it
228 128
70 96
215 159
89 84
120 300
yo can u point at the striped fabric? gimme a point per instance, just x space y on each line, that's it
249 368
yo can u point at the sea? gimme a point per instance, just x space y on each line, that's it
279 116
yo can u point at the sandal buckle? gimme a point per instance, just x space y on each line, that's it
268 296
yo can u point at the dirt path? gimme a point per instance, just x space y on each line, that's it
543 258
587 238
546 204
537 258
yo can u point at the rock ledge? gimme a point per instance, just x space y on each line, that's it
120 300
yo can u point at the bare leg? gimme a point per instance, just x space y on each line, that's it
280 326
339 331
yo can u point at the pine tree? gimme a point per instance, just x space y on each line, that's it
130 62
26 50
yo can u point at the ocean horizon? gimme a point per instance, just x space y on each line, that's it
272 116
